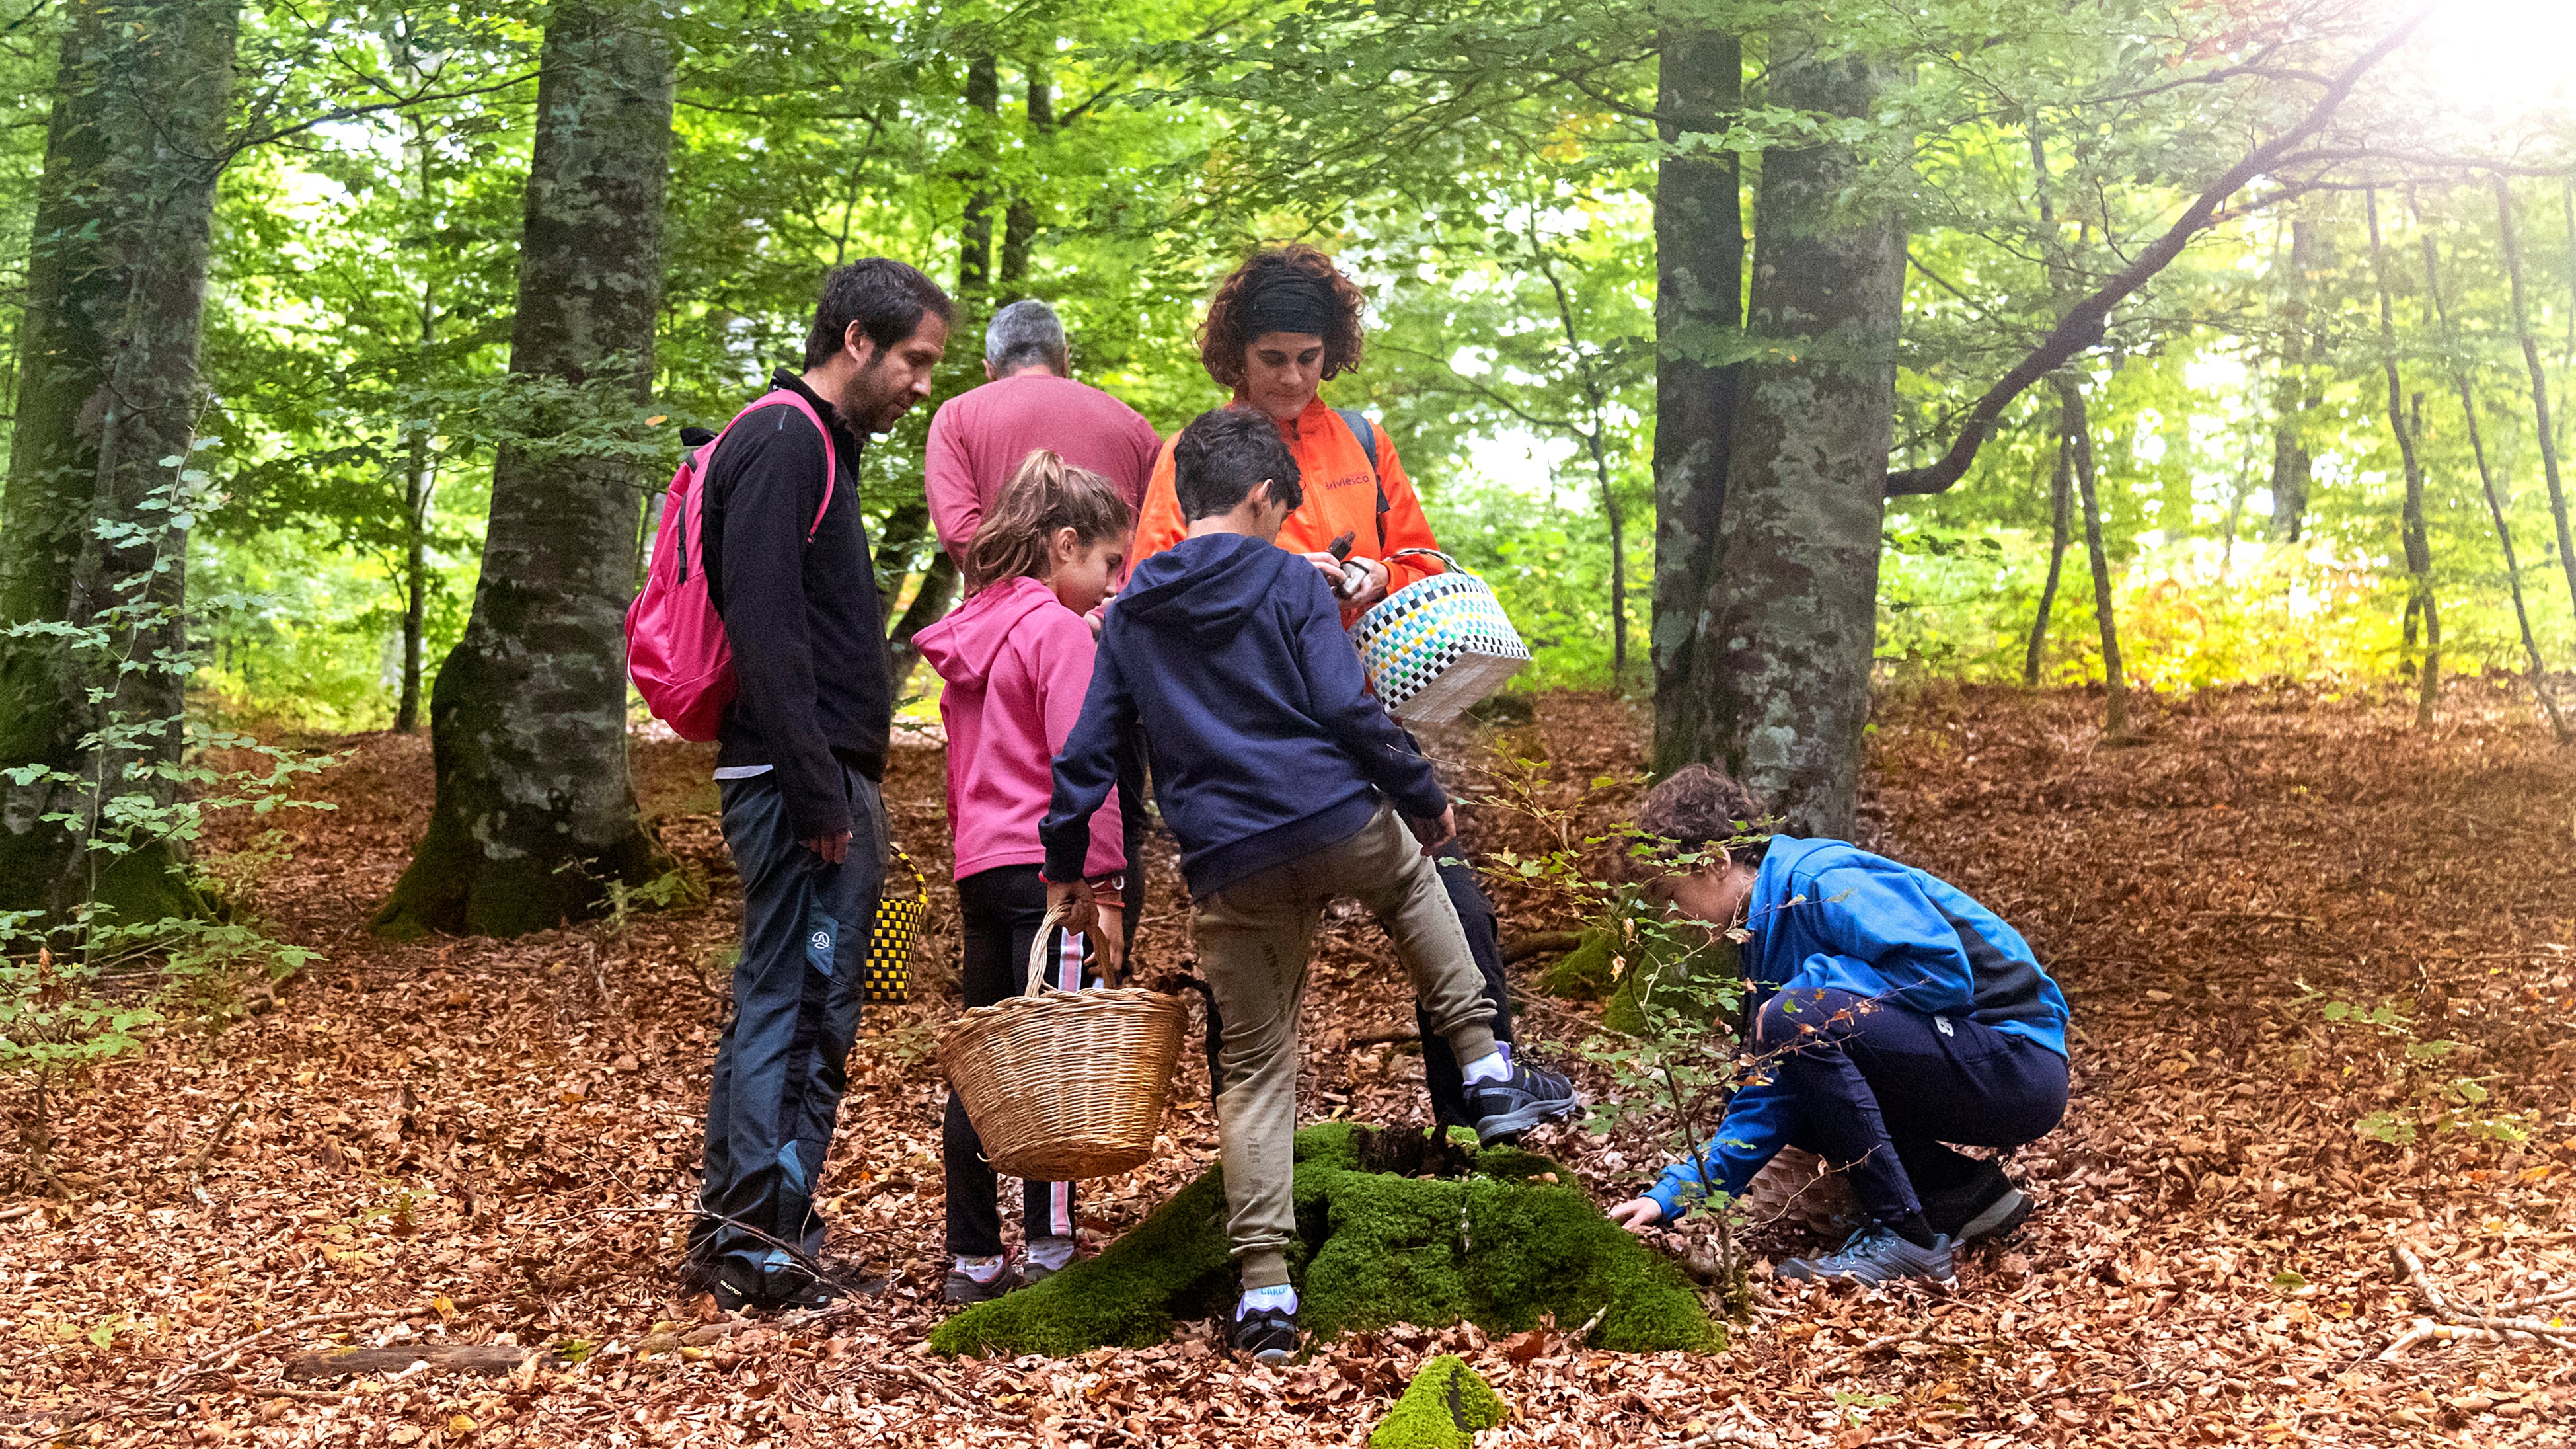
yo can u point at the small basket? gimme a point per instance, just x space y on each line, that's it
1063 1085
1438 645
887 977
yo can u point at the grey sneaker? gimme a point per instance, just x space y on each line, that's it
1529 1096
1268 1334
1033 1272
964 1291
1987 1205
1876 1257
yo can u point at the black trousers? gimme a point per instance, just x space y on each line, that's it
1440 1068
999 911
1881 1088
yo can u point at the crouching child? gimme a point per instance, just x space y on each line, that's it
1286 785
1893 1015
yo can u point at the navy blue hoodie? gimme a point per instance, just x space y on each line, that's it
1265 742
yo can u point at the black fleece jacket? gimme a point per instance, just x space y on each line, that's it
809 650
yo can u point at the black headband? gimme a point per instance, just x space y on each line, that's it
1291 303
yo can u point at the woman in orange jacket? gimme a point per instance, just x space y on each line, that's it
1277 328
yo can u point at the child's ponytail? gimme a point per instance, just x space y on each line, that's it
1045 495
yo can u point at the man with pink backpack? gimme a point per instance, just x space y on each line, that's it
762 534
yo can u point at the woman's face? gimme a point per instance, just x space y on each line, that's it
1281 371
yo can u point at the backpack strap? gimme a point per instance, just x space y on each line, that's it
831 457
1366 431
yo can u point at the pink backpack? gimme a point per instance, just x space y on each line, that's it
675 644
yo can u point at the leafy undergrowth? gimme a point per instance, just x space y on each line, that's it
2268 917
1504 1245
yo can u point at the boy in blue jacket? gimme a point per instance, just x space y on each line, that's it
1287 785
1892 1014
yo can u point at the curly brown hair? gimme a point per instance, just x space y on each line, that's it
1226 334
1699 805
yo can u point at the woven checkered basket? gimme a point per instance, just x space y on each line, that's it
887 976
1438 645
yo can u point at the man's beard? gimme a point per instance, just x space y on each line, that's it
863 398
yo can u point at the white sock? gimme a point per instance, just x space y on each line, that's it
1283 1298
1492 1068
984 1270
1051 1253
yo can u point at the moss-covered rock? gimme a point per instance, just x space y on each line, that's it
1676 975
1589 972
1500 1246
1442 1408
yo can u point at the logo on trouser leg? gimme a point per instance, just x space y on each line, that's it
820 934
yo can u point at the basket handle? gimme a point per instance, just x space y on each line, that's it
1038 950
1453 565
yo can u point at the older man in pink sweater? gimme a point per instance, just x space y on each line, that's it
978 439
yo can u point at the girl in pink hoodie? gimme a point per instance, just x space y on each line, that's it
1017 658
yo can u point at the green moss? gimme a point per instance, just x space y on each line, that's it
1442 1408
1500 1247
1677 977
1589 972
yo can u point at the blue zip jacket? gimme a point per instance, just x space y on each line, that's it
1265 741
1828 914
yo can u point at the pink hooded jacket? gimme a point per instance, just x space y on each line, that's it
1017 662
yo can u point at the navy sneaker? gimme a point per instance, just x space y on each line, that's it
1875 1257
1515 1104
1986 1205
1268 1334
788 1290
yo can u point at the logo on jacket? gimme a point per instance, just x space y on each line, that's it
822 941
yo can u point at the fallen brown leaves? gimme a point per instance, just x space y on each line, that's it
467 1142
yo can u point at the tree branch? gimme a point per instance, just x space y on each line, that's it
2083 326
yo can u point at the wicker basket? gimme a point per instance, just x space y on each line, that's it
1065 1084
1797 1188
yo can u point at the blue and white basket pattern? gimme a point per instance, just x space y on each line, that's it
1436 646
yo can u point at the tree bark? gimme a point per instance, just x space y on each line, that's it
536 811
1020 222
2411 531
2486 482
2294 391
108 388
2106 617
930 604
1784 668
420 477
2539 383
1699 319
2061 488
975 229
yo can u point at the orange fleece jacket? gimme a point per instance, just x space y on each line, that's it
1340 497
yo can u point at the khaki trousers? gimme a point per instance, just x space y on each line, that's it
1253 941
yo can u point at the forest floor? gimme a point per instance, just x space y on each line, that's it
472 1141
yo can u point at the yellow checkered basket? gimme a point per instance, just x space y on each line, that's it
888 974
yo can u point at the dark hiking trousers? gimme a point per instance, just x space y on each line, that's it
784 1059
999 911
1880 1088
1440 1069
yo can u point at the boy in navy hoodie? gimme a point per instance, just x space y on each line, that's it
1287 785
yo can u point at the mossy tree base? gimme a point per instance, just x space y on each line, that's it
1500 1247
1442 1408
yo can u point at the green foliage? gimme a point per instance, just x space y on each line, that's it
1501 1247
2437 1101
1442 1408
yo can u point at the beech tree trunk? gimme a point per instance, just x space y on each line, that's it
420 477
2061 488
536 812
1020 222
975 230
2294 390
1784 666
1699 319
2106 618
2487 483
2411 532
108 387
2539 383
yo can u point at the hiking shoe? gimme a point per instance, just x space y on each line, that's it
792 1289
1875 1257
1985 1206
1515 1104
964 1291
1268 1334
